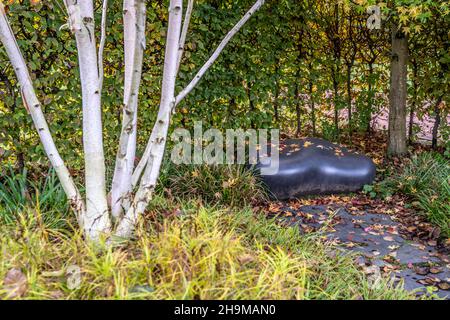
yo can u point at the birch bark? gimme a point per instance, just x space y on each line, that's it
159 132
184 31
102 43
398 94
134 45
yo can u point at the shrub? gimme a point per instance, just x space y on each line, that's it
226 185
202 253
425 178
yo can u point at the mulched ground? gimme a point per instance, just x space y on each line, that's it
390 240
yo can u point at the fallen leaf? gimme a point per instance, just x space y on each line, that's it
435 270
393 254
245 258
15 283
422 270
350 244
418 245
432 243
444 286
392 230
57 295
373 269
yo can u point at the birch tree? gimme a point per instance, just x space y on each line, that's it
132 187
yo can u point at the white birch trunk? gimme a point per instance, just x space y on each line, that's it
134 14
184 31
101 46
82 23
33 107
160 130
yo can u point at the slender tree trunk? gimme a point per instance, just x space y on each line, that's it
134 14
349 98
298 108
437 122
370 99
350 61
336 105
101 46
411 124
184 31
160 130
413 105
97 221
276 101
336 68
398 94
313 107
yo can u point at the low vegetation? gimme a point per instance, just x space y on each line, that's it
226 185
47 197
184 250
425 179
200 253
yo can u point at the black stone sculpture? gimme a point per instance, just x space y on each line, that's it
315 166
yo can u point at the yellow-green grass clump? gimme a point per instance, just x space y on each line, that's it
197 253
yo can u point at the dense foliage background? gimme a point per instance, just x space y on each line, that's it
307 67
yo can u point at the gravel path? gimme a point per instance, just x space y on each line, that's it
381 249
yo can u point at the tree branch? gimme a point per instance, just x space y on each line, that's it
33 106
217 52
101 47
184 31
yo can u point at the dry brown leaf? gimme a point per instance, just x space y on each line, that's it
246 258
444 286
435 270
432 243
15 283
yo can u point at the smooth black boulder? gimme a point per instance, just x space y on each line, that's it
315 166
